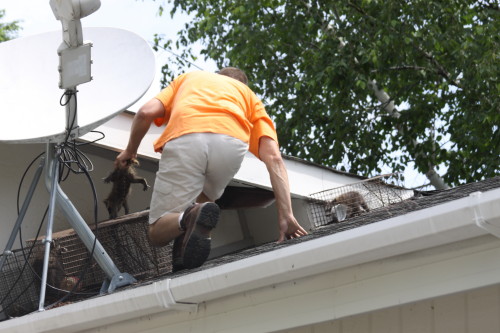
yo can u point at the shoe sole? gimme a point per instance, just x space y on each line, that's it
198 245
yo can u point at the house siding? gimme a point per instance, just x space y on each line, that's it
76 187
475 311
453 288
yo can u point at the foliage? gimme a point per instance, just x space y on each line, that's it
7 30
315 62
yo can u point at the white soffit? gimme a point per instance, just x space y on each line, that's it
305 178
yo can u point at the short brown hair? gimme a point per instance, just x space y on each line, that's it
235 73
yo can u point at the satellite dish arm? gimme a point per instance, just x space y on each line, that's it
69 12
72 34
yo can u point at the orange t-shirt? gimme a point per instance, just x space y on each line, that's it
200 101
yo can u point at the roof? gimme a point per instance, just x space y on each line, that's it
422 200
427 220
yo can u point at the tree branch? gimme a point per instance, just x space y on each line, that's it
408 67
390 108
440 69
358 9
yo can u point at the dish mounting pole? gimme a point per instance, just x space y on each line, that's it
74 69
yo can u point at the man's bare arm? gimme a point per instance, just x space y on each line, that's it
269 153
142 121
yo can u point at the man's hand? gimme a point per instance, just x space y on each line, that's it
290 228
140 126
270 154
122 158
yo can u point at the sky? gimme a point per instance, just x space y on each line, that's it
139 16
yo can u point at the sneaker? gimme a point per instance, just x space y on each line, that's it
191 249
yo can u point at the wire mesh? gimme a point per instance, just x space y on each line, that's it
346 202
125 240
18 290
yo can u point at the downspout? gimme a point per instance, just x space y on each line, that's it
490 225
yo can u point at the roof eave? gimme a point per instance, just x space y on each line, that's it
469 217
465 218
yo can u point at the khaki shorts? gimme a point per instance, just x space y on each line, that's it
192 164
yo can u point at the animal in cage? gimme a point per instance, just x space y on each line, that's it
345 206
121 179
58 283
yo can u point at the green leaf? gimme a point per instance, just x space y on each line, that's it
436 60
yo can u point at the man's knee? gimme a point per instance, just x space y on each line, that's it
203 198
153 236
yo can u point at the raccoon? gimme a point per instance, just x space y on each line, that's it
353 201
121 179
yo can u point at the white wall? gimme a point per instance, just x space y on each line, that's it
16 159
262 222
475 311
453 288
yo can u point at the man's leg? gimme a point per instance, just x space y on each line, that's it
192 239
165 229
192 235
192 248
225 155
178 182
203 198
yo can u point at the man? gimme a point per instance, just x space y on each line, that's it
211 120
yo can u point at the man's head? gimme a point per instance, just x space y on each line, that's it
235 73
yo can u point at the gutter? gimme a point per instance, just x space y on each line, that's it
99 311
465 218
458 220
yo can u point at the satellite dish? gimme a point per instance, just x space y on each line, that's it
123 68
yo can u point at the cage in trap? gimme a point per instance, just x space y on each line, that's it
70 262
126 242
348 201
18 286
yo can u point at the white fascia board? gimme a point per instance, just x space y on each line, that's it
439 225
117 133
116 307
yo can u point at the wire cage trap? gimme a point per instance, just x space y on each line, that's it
346 202
21 281
126 242
18 287
72 268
